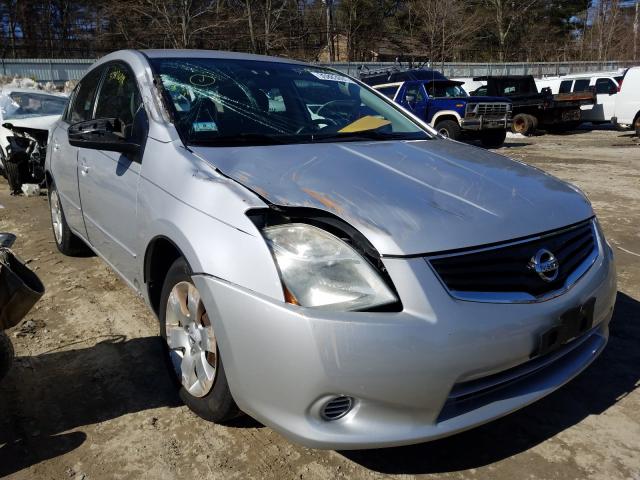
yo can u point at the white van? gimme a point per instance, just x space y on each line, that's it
606 85
627 108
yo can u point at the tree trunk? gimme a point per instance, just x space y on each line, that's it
635 31
251 32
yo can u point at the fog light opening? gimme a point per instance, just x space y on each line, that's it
337 408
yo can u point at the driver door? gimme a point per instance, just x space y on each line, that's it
109 180
415 99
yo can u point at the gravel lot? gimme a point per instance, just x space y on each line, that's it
89 396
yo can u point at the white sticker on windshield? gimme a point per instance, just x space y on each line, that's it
333 77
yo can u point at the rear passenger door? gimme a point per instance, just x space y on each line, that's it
64 157
109 180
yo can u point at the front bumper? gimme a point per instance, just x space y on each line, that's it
486 123
406 369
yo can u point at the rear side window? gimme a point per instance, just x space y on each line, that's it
581 85
605 86
388 92
83 100
565 86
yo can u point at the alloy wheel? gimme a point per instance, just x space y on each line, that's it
191 341
56 216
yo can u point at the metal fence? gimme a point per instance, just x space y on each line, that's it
60 70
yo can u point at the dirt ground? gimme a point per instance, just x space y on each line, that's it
89 396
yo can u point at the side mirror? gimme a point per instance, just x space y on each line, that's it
613 90
410 99
102 134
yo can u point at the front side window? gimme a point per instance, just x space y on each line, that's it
83 100
241 102
119 96
414 94
605 86
16 105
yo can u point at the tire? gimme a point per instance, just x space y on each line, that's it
6 354
67 242
206 392
493 138
522 123
534 124
636 125
449 128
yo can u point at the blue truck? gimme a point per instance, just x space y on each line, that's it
444 105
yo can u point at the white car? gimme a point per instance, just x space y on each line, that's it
627 108
606 85
26 118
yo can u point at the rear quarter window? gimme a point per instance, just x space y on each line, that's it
565 86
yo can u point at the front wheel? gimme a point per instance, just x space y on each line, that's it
493 138
449 129
67 242
191 348
636 125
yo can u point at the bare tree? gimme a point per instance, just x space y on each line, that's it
506 14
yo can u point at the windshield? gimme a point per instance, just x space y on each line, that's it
27 104
438 90
240 102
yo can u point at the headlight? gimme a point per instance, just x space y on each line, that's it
320 270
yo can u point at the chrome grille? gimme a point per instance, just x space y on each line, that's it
492 108
506 269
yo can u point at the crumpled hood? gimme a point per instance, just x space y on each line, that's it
408 197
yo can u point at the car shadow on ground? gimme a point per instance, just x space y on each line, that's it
45 396
609 379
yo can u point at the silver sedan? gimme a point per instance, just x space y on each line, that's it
319 258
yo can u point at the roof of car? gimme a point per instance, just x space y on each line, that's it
171 53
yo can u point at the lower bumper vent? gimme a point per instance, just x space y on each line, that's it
337 408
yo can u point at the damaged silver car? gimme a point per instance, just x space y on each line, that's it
319 258
26 118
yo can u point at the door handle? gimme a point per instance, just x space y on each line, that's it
84 170
56 147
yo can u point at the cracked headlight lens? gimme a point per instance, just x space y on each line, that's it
319 270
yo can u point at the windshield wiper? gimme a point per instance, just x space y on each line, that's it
241 139
369 135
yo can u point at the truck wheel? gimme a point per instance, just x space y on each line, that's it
6 354
449 129
192 351
534 124
493 138
522 123
636 125
67 242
